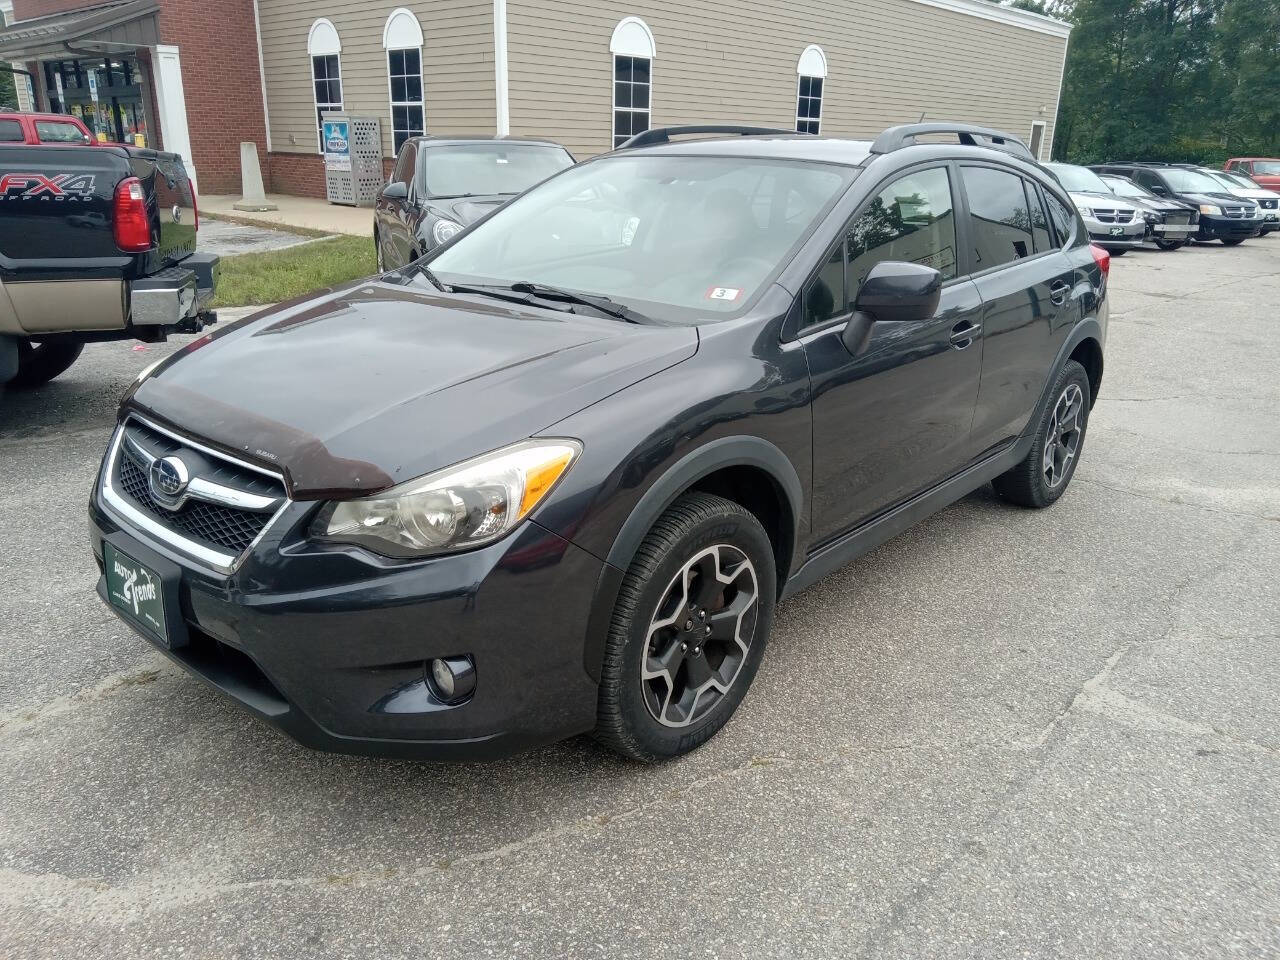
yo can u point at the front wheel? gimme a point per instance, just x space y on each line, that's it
689 629
38 363
1170 244
1042 477
1233 241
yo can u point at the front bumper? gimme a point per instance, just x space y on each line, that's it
1229 228
1118 235
333 652
177 295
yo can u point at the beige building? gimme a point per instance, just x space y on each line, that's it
588 74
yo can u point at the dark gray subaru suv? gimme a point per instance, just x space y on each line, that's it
554 477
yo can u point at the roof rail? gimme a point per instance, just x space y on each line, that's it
895 138
664 134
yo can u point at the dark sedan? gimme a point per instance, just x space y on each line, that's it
440 185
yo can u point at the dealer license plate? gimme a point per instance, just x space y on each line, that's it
135 590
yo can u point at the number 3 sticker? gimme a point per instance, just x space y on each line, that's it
724 293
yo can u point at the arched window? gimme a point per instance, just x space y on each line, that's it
633 53
812 70
325 48
402 39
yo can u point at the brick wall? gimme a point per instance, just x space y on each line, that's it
221 82
302 174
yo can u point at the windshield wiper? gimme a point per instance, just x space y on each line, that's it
410 268
597 302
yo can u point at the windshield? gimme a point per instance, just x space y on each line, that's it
700 234
1124 187
484 169
1190 181
1268 168
1078 179
1233 180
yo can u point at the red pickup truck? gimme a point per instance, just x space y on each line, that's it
1265 171
40 128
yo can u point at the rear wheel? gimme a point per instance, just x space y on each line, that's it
38 363
1233 241
689 629
1118 251
1042 477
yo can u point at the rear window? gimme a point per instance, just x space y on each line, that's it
56 131
11 131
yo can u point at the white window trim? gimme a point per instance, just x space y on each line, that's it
1039 154
324 46
812 64
631 38
391 44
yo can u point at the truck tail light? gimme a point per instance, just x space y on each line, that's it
195 208
132 225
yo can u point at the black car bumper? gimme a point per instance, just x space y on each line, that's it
339 664
1226 228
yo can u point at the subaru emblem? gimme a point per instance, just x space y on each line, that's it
168 481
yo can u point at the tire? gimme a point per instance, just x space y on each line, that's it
40 363
1032 483
702 679
1170 244
1119 251
1233 241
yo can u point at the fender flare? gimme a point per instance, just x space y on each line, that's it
693 466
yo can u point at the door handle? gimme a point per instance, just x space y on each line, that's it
964 333
1059 292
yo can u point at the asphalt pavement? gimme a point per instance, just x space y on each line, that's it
1005 733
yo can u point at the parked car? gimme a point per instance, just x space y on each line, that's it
553 477
1231 219
94 245
1170 223
1238 185
37 128
440 185
1264 171
1113 222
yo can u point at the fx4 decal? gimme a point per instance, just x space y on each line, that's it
37 186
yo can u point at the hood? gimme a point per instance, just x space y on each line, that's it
467 210
377 384
1214 198
1108 200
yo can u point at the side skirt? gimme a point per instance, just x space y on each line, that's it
870 535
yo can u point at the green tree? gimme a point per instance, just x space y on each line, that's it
1177 80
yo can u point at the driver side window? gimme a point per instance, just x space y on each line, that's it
912 219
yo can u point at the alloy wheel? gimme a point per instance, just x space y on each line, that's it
699 635
1062 439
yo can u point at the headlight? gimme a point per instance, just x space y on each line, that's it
1085 211
457 508
444 229
1209 210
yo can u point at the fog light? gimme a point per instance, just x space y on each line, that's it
453 679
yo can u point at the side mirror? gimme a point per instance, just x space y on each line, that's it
895 292
395 191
